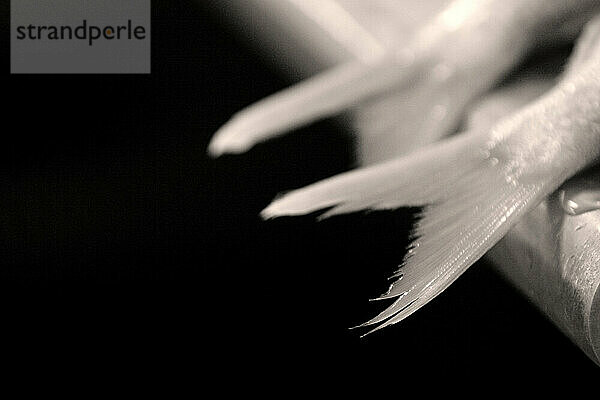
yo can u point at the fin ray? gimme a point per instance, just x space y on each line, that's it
469 202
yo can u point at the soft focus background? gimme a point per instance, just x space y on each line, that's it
124 245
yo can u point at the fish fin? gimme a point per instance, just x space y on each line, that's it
325 94
469 202
368 187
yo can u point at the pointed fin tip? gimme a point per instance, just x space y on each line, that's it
382 319
370 332
267 214
387 296
228 141
274 209
359 326
379 327
298 202
214 150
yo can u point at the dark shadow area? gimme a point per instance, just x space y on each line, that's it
123 243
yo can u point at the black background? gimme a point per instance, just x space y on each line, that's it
125 250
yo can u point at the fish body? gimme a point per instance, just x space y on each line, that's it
551 256
474 187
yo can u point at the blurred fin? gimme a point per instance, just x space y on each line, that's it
325 94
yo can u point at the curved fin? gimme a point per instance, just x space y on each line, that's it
470 201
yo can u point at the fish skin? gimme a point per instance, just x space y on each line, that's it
474 187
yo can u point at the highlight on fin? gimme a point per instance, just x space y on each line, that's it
323 95
469 202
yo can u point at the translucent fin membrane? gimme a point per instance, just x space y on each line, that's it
470 203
